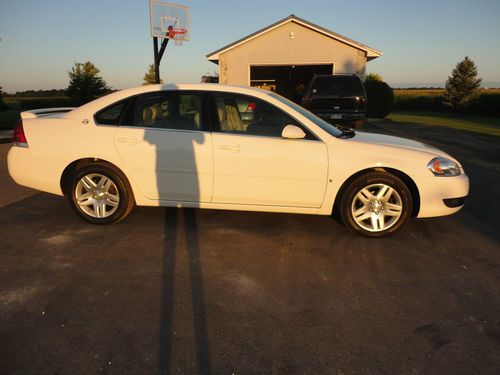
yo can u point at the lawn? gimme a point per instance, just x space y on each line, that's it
478 124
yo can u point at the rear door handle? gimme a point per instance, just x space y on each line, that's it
232 148
129 140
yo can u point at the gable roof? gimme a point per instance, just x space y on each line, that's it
371 53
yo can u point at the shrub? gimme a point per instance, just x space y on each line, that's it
489 104
380 98
36 103
3 106
418 102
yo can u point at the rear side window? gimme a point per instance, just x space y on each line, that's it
338 86
168 111
111 115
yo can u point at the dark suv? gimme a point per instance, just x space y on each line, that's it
338 98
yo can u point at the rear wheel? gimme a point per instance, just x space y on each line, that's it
100 194
376 204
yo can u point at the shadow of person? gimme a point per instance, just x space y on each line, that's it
172 231
174 166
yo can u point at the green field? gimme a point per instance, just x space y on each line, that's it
477 124
435 92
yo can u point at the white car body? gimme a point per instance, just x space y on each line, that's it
217 170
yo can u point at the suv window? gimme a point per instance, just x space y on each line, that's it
242 114
338 85
168 111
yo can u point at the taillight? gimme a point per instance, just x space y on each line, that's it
18 138
251 107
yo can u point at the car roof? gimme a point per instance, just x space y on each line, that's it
116 96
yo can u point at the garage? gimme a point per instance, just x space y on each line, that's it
284 56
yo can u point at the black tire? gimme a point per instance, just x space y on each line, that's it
364 210
108 204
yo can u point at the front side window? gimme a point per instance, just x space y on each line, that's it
169 111
242 114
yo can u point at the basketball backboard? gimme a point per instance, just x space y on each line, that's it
169 21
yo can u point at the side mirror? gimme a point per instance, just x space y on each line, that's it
293 132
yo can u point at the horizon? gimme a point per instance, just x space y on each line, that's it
422 53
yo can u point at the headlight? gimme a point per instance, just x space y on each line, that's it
443 167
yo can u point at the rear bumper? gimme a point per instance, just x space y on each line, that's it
441 196
34 173
341 116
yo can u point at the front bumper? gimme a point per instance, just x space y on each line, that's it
441 196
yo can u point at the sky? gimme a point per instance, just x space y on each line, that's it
421 40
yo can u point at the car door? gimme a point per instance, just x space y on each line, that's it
254 165
166 148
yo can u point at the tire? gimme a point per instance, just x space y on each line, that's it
100 194
376 204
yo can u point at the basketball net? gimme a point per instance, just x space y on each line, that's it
177 35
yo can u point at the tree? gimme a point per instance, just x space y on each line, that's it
210 77
85 84
374 77
149 76
463 84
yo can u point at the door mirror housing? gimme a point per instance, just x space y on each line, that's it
293 132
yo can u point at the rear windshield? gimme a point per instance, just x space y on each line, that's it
338 85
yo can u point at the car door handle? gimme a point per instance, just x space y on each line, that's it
232 148
130 140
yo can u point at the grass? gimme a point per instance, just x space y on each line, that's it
477 124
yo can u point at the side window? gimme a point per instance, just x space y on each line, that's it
169 111
247 115
111 115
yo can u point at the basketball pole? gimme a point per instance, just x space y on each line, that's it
158 55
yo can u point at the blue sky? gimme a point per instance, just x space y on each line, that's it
421 40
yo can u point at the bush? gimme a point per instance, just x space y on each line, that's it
486 103
380 98
489 104
418 102
36 103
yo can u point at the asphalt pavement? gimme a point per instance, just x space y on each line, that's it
188 291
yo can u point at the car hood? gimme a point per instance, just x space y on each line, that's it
388 140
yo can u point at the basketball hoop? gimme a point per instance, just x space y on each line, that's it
177 35
168 21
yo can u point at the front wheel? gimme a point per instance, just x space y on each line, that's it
376 204
101 194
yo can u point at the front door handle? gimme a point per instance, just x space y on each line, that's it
130 140
232 148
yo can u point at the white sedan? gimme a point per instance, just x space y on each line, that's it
189 146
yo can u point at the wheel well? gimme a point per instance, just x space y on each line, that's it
70 170
407 180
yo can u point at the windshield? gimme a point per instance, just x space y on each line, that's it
338 86
329 128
